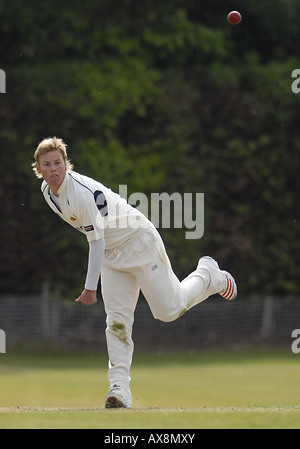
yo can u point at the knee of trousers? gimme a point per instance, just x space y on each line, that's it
168 309
167 317
121 330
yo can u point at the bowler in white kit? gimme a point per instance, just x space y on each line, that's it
127 251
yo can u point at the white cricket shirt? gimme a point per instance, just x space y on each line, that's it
95 210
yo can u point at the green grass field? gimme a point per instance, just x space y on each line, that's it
208 390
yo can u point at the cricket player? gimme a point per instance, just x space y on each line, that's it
128 252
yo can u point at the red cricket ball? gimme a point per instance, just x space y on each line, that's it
234 17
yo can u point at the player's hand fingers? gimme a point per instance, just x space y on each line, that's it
87 298
89 302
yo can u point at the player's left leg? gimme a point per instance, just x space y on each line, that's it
120 293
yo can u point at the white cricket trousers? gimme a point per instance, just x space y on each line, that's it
142 264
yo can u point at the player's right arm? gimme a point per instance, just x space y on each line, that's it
96 256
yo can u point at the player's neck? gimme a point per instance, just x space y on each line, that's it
55 185
55 192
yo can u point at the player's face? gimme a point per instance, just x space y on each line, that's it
53 169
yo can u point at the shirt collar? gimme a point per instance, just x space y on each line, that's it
64 184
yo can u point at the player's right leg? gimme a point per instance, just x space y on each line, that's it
167 297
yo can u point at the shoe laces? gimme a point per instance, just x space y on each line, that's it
114 388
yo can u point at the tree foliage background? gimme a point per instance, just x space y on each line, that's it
163 96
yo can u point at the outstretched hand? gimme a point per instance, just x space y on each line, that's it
87 297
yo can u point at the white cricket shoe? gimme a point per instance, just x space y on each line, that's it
221 282
118 397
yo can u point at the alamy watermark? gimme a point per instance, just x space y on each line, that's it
2 82
296 342
181 211
296 84
2 342
161 209
164 210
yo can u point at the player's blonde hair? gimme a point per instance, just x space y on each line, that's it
51 144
